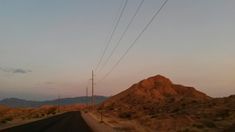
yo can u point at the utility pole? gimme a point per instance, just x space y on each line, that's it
87 100
92 85
58 103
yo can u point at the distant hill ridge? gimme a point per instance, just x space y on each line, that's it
15 102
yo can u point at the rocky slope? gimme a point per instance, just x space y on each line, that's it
161 105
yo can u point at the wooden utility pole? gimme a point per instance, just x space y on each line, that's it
58 102
92 85
87 100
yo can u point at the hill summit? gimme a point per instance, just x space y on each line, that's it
156 90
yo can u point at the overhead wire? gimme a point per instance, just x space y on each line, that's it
112 34
123 34
134 42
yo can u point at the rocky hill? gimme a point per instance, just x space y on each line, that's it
161 105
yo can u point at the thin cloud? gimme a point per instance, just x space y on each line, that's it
15 70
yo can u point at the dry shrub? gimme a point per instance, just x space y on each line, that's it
126 115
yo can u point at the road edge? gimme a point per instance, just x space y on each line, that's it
95 125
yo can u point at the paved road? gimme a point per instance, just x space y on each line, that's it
68 122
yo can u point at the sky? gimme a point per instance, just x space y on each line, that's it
49 47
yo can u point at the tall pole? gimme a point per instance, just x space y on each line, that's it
92 84
58 102
87 100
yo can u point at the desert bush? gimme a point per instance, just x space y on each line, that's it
5 120
36 116
223 113
110 107
199 126
209 123
176 110
183 105
126 115
51 111
189 129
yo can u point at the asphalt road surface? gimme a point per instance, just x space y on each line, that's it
68 122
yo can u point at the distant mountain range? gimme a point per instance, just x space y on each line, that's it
15 102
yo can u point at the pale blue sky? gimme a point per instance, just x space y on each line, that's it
52 45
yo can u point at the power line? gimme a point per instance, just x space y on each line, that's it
134 42
123 34
111 36
106 40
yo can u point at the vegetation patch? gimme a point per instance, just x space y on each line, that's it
5 120
126 115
